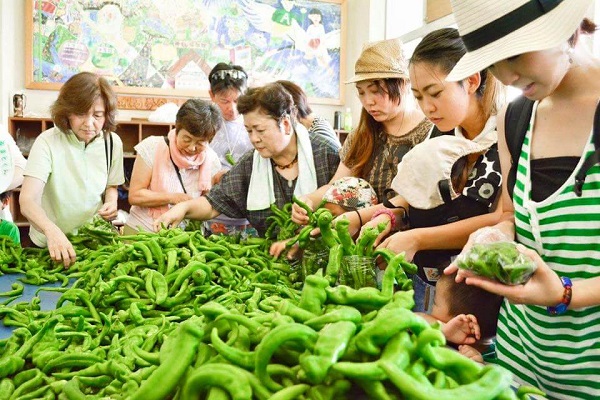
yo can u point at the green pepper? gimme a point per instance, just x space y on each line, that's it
398 350
176 355
299 314
291 392
330 347
333 265
229 158
342 228
492 382
224 376
15 362
364 245
453 363
340 313
324 223
244 359
271 343
381 329
368 298
313 294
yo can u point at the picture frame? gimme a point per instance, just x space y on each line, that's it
168 48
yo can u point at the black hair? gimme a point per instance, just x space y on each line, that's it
272 99
201 118
466 299
443 48
5 195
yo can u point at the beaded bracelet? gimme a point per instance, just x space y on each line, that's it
386 212
561 308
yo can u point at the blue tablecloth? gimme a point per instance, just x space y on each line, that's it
48 300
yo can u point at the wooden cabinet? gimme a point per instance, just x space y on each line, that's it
25 130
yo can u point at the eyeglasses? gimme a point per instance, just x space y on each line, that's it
231 73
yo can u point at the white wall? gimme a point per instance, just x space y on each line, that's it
366 22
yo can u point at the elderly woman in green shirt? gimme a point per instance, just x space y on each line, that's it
74 168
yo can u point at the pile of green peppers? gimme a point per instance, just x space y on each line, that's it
175 315
500 261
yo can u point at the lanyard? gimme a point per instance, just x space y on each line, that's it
175 166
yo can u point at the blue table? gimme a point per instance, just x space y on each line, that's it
48 300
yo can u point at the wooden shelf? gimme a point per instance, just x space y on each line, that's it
131 133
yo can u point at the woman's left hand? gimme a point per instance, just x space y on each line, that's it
544 288
108 211
403 241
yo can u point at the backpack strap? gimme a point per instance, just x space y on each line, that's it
592 159
516 122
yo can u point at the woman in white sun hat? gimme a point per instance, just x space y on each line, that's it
549 328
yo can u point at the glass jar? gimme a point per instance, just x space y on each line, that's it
315 256
358 271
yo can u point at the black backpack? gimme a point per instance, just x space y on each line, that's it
516 122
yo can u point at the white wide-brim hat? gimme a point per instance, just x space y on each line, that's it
494 30
7 166
429 164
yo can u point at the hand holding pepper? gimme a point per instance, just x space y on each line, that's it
300 213
60 248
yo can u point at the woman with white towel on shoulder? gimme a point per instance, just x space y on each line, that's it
283 164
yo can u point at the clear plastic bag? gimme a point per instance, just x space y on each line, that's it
500 261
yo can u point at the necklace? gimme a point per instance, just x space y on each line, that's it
294 161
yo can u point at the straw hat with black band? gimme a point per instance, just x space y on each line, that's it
494 30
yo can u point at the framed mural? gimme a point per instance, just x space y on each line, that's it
167 48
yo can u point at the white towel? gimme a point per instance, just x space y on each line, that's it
261 192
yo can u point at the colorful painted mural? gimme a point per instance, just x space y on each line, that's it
162 47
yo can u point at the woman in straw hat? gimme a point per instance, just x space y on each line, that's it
549 328
390 122
463 162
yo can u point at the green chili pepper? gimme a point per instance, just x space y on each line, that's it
448 360
333 265
176 355
290 393
381 329
229 158
398 350
324 223
145 250
15 362
272 341
341 313
492 381
299 314
244 359
330 346
374 389
224 376
313 294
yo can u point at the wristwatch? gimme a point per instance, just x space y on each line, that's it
561 307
